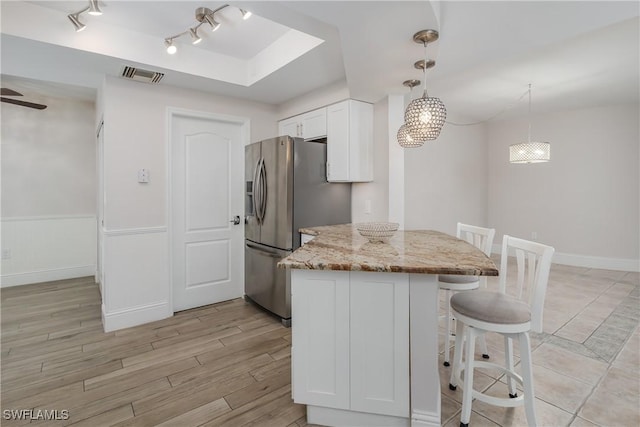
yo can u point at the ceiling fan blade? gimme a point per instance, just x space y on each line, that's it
23 103
9 92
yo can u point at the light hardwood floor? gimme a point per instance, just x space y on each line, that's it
229 363
224 364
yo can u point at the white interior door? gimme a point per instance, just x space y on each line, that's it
207 169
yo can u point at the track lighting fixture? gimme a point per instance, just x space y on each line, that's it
79 26
93 9
203 15
195 38
214 24
171 48
245 14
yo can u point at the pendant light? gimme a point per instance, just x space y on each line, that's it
425 116
530 151
404 139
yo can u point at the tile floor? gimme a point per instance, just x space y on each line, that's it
586 360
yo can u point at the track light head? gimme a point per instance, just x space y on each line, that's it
195 38
246 14
94 9
79 26
171 48
211 21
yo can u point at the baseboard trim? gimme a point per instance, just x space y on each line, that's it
27 278
419 418
135 316
618 264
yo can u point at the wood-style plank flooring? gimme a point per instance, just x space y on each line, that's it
228 364
223 364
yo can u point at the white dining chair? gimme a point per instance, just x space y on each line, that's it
513 311
482 238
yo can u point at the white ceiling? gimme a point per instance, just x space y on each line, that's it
575 53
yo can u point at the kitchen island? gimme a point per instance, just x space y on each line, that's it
365 324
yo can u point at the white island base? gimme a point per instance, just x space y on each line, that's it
365 347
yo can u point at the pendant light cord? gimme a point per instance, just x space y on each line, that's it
424 92
504 110
529 132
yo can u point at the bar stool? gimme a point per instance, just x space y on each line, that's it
482 238
512 316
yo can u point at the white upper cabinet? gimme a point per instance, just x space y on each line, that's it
348 126
350 141
309 125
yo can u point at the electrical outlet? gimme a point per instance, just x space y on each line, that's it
534 235
143 175
6 254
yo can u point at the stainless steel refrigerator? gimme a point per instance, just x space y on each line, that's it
286 189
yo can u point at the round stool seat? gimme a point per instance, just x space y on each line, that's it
491 307
457 278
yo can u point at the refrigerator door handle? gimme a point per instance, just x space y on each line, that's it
263 190
264 252
254 190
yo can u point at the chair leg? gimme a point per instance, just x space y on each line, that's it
483 347
527 377
508 357
467 392
457 356
447 336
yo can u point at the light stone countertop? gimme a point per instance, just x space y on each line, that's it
340 247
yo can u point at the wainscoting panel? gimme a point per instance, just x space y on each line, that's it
136 277
41 249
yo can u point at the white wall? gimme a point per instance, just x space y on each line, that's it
136 253
135 127
446 180
48 158
48 190
336 92
585 201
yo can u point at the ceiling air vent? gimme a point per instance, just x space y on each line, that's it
141 75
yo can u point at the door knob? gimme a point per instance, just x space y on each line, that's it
236 220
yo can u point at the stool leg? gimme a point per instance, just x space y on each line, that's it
457 356
447 336
508 357
483 347
527 377
467 392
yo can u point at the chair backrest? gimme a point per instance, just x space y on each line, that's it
480 237
533 261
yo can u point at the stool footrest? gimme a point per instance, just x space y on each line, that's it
511 401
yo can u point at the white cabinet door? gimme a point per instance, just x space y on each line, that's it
350 142
314 124
289 127
380 343
338 142
320 329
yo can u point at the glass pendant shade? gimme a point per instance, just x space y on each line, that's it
425 117
530 152
406 140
